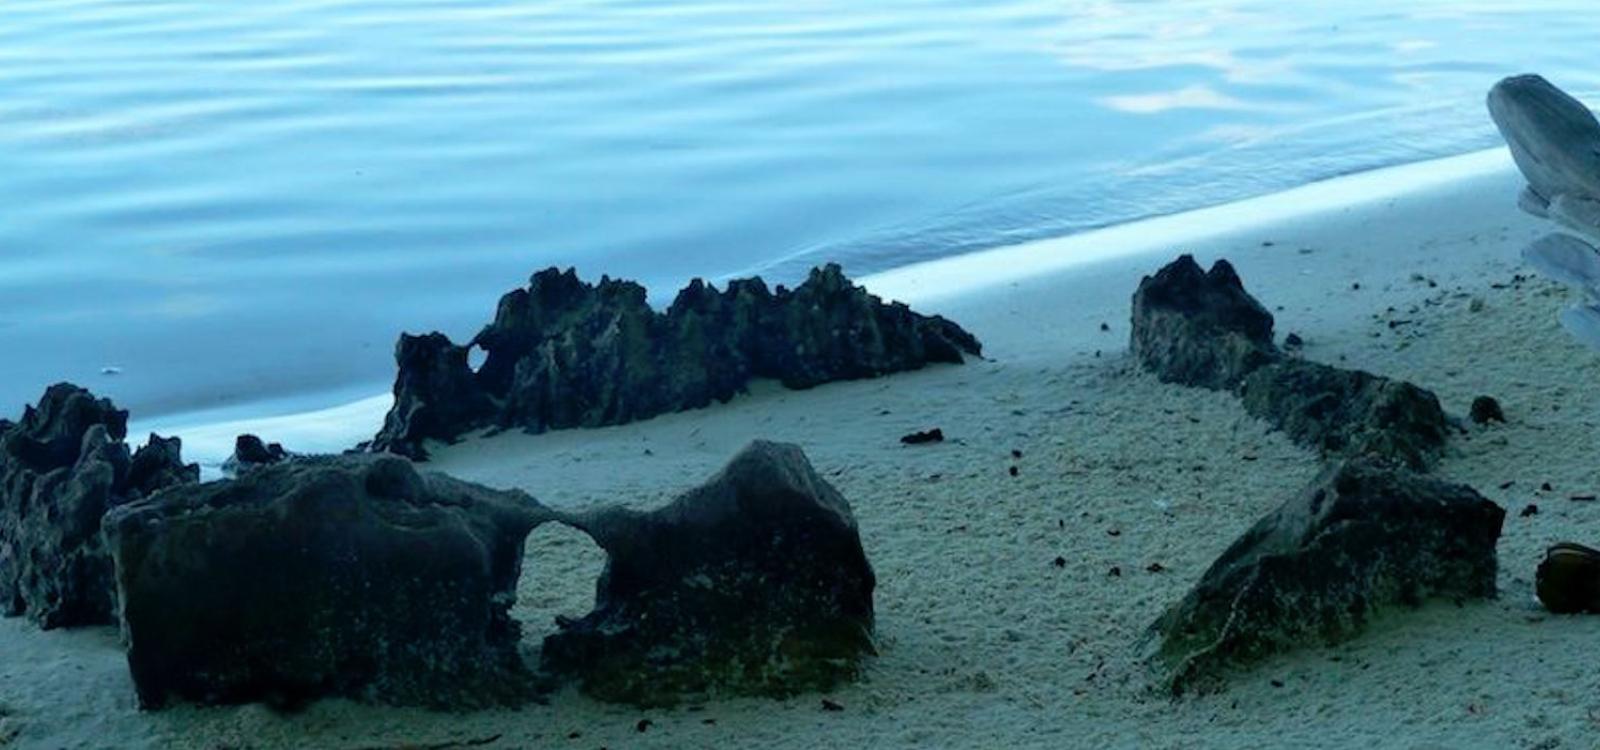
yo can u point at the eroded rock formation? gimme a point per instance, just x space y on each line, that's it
1199 328
359 576
1359 539
61 468
754 583
347 576
1349 412
1202 328
563 353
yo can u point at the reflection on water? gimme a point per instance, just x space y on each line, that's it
235 202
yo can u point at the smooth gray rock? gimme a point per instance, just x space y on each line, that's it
754 583
61 468
1360 539
1568 260
563 353
349 576
1555 141
1199 328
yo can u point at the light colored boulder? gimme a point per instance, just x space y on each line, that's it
1555 141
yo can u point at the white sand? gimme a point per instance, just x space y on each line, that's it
985 643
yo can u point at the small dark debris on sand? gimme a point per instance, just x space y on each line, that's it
1486 409
828 705
934 435
1531 510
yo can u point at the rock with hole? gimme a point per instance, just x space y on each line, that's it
754 583
563 353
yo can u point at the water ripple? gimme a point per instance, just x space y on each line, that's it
239 201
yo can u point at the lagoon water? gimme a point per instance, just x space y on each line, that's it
239 205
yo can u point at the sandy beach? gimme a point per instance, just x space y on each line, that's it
1000 621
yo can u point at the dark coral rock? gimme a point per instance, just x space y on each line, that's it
351 576
563 353
61 467
435 395
159 464
1349 412
1359 539
1202 329
754 583
251 452
829 329
1199 328
1486 409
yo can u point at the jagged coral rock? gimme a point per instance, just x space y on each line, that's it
61 468
562 353
1199 328
1203 329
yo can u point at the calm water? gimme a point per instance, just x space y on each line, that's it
239 202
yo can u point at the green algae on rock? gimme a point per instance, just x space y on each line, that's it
353 576
754 583
1361 538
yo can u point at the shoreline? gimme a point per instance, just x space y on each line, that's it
984 638
321 422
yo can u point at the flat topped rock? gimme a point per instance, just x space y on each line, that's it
351 576
563 353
